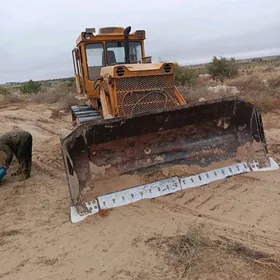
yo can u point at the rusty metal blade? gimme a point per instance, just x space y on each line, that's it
105 155
164 187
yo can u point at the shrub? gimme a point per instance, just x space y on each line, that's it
30 87
4 91
71 82
222 68
9 99
184 76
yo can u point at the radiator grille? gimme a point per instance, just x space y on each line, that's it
145 94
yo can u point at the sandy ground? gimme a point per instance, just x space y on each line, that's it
226 230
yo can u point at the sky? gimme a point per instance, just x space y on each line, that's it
37 36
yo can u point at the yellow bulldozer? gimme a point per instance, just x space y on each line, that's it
136 138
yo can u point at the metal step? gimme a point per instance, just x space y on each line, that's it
76 108
85 114
89 119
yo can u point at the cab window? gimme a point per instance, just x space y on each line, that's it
95 59
116 54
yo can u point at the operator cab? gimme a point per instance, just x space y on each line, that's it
110 53
110 46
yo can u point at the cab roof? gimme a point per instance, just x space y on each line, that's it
108 33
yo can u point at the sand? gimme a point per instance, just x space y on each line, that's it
239 216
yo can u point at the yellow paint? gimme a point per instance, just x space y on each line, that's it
108 75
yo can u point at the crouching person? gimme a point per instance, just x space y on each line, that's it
18 142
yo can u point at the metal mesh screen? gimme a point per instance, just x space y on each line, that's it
145 94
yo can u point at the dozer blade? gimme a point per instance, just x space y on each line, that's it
114 162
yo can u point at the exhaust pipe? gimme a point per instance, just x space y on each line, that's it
126 44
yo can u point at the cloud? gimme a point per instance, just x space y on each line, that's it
37 36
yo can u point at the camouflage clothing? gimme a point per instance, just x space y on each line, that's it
18 142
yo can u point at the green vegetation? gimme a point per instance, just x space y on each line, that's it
30 87
184 76
70 82
222 68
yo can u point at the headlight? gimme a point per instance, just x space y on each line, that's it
87 36
140 34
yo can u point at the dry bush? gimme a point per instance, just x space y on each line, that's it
256 81
194 254
261 88
4 91
64 102
260 66
58 87
9 95
202 82
12 99
12 95
60 93
50 98
193 94
45 97
264 101
273 81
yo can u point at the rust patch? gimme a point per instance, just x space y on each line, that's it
116 154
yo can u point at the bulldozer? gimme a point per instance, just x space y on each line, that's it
137 138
